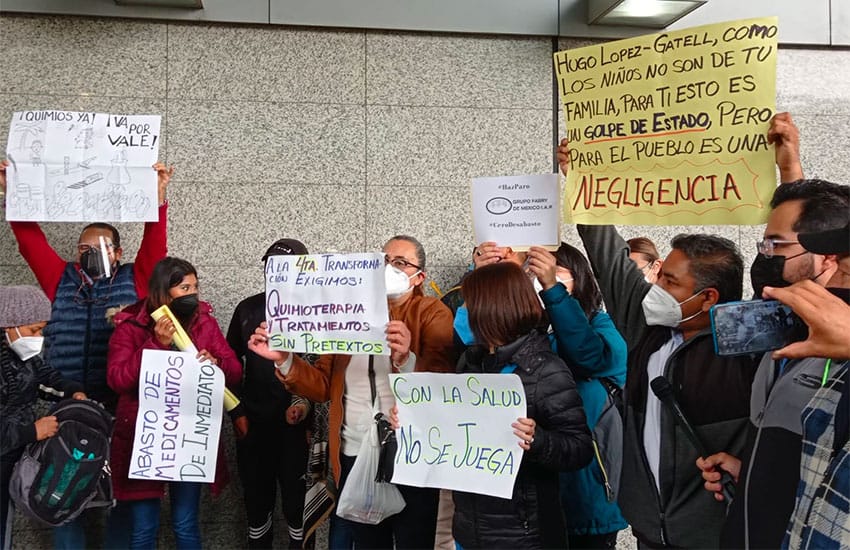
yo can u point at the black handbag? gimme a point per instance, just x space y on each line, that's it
386 435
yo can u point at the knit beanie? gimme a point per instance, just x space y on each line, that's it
22 305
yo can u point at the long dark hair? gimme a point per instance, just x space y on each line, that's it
501 302
167 273
585 288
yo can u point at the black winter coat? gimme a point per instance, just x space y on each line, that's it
19 389
532 518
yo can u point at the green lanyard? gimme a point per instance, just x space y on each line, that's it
825 372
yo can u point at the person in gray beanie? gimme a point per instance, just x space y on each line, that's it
24 311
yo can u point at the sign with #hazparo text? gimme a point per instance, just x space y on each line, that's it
72 166
517 211
671 128
455 431
179 418
327 303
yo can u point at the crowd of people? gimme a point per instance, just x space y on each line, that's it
590 336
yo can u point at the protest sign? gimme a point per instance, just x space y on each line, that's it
456 431
71 166
327 303
517 211
671 128
179 418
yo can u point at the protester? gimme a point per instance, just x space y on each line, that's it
768 468
820 518
595 353
83 297
643 252
174 283
509 326
24 311
273 453
420 339
667 329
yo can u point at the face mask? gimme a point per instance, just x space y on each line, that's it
397 281
26 347
461 326
184 308
768 272
95 261
93 264
661 309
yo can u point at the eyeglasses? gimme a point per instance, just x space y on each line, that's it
646 266
767 246
400 263
82 248
83 295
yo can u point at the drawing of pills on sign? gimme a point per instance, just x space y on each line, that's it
499 205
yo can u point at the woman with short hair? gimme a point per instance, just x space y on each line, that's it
509 326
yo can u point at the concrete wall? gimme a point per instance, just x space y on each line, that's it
338 138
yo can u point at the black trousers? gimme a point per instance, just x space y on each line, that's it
273 455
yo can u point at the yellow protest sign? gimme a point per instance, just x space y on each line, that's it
671 128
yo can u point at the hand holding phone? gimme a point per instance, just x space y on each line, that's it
755 326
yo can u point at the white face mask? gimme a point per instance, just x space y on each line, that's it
26 347
538 288
661 309
397 281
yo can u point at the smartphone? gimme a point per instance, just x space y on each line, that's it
756 326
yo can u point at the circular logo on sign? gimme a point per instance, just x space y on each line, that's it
499 205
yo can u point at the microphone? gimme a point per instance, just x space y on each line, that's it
664 392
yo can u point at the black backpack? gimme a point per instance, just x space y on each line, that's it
59 477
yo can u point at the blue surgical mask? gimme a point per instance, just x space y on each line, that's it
461 326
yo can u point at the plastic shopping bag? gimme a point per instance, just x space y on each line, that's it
363 499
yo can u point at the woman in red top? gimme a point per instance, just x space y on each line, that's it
174 282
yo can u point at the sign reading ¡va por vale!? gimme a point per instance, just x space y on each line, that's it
671 128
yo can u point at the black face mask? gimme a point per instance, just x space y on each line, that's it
767 272
91 261
843 293
184 308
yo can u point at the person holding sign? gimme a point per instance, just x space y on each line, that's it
667 329
24 311
419 335
174 283
509 327
82 293
586 339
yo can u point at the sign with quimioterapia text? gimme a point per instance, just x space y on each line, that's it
671 128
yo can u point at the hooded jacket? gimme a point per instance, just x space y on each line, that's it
134 334
532 518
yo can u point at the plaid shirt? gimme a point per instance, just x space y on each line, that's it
821 517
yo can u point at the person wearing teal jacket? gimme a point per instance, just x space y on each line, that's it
587 340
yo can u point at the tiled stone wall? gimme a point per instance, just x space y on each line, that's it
338 138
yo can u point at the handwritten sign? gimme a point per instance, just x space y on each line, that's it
517 211
456 431
327 303
179 418
671 128
71 166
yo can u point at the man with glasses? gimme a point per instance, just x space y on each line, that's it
84 293
768 470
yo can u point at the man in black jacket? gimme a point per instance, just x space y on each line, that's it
274 451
